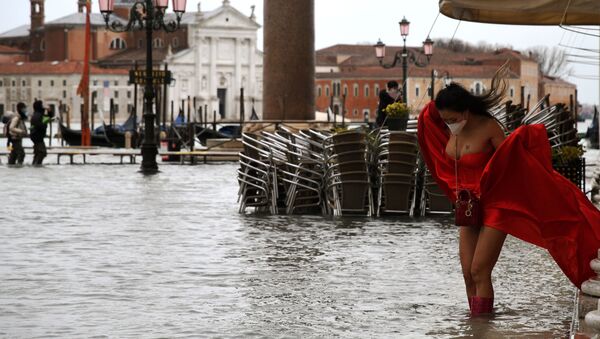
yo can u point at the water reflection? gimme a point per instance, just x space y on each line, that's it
104 251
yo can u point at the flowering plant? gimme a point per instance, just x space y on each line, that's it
397 110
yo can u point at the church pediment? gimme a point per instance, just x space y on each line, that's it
228 17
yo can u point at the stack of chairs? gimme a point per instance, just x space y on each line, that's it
299 172
396 160
434 199
347 178
255 176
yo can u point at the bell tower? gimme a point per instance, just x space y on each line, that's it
37 14
37 44
81 6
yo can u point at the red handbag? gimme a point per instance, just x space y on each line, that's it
467 210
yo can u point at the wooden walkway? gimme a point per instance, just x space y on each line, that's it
130 156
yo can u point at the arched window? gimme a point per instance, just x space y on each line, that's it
512 92
158 43
478 88
327 91
43 45
319 91
355 90
175 42
376 89
346 90
118 43
367 91
417 89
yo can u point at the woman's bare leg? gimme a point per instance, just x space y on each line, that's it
487 251
466 250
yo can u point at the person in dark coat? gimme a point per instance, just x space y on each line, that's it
387 97
39 123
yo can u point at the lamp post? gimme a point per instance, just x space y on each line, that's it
149 15
405 55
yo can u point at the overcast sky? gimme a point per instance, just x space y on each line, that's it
356 21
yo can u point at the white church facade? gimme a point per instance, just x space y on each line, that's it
222 59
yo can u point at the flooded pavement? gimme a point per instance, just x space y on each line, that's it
102 251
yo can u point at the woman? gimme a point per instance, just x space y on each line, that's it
520 192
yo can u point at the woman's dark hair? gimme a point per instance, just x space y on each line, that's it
457 98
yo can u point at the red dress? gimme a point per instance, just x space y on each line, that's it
521 194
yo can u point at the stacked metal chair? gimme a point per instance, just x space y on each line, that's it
298 171
396 161
347 177
255 176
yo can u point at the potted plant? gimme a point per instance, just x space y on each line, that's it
568 161
397 116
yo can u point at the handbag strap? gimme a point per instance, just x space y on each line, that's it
456 165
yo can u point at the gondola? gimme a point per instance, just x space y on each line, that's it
116 134
73 137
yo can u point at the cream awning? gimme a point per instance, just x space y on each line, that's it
524 12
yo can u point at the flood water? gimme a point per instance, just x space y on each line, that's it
102 251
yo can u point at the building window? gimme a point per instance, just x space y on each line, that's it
64 82
1 83
95 83
366 112
175 42
512 92
43 45
376 89
64 94
1 109
429 91
327 91
116 83
128 94
417 91
355 113
367 91
23 83
355 90
116 108
345 90
140 43
51 83
158 43
116 94
319 91
40 83
118 43
14 83
478 88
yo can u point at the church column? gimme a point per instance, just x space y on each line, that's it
238 77
289 60
252 85
212 95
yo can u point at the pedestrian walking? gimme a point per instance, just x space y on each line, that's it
39 123
17 130
387 97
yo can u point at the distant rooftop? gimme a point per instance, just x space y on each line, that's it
21 31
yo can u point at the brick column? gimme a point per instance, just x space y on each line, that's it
289 60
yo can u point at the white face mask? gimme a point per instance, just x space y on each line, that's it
456 127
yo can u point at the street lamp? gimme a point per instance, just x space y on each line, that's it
149 15
405 55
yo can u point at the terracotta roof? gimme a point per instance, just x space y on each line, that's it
556 80
96 19
11 50
55 67
128 58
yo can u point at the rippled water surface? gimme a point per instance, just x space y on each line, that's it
101 251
